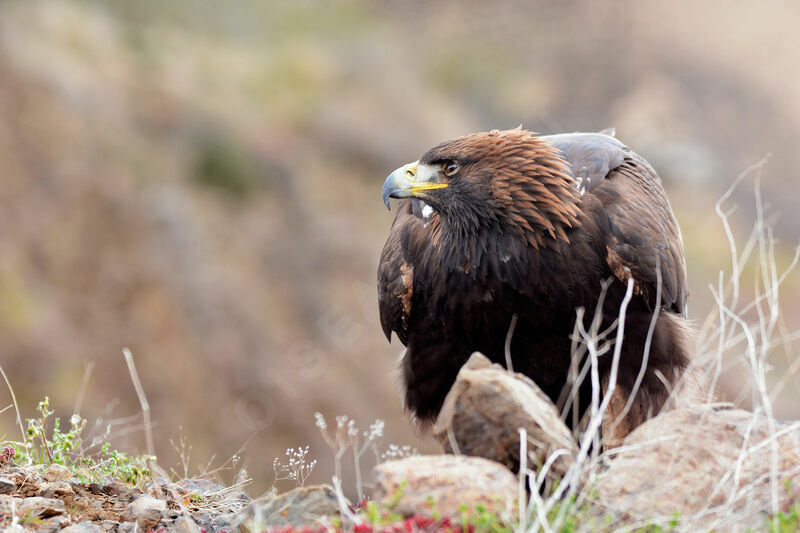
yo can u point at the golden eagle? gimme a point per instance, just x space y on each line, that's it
506 223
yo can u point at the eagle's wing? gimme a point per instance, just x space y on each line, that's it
407 239
642 235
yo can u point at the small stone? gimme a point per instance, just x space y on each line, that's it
303 506
146 511
56 472
83 527
122 492
6 502
200 486
56 488
17 476
7 486
430 485
127 527
204 519
54 523
38 507
109 525
205 488
185 524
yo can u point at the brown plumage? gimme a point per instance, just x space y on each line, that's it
507 223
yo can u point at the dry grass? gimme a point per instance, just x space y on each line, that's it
739 330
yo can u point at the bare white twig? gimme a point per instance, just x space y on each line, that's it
145 405
14 400
87 373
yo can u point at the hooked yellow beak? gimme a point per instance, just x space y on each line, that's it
409 180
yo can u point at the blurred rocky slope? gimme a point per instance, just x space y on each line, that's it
200 181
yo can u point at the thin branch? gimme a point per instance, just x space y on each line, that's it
137 384
14 400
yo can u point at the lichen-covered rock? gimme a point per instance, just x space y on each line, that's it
303 506
429 485
702 460
486 407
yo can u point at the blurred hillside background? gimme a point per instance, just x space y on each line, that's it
200 181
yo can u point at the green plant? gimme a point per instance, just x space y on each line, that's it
56 446
787 519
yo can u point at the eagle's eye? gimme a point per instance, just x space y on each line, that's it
450 168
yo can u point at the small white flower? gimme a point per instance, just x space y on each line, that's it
375 430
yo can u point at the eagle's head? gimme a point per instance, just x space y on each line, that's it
508 181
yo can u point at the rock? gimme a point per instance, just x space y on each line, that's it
56 488
121 491
146 511
303 506
200 486
7 486
429 484
109 525
127 527
83 527
185 524
214 521
56 472
155 487
38 507
52 524
486 407
206 488
17 476
6 502
701 460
